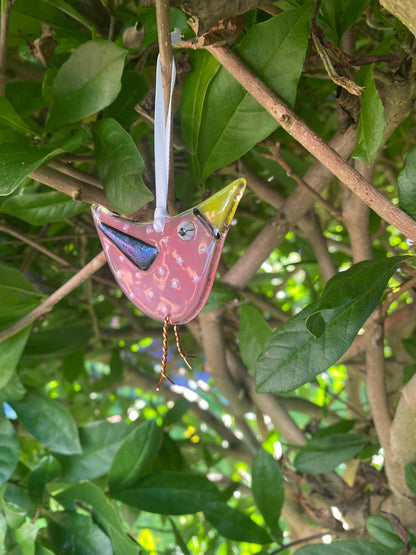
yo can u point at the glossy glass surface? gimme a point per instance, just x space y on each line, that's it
169 273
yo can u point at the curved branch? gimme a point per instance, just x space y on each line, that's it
312 142
308 223
92 266
294 207
78 190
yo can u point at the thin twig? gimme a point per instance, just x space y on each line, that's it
275 152
166 62
165 48
293 208
404 287
298 129
78 190
92 266
68 169
375 381
34 244
144 114
299 541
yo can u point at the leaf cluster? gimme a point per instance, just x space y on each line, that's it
92 459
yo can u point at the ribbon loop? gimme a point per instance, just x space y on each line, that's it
162 148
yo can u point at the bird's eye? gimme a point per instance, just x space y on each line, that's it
186 230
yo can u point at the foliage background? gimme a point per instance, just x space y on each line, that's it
313 302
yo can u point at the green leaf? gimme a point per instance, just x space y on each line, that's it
315 324
194 94
17 295
234 524
268 491
104 513
136 452
43 208
25 97
221 293
100 441
73 365
382 530
409 344
170 493
57 342
175 414
133 89
16 163
47 469
87 82
292 356
51 12
406 183
410 474
3 529
324 454
9 450
13 391
10 118
253 334
68 10
276 49
25 537
179 540
49 422
10 352
75 534
342 14
346 548
372 118
120 166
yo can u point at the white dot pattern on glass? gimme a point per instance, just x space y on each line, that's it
181 275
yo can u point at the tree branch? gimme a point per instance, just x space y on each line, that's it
308 223
294 207
312 142
92 266
267 404
357 218
78 190
35 245
275 150
165 48
139 379
375 382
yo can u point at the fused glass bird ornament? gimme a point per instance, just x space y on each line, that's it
167 267
169 273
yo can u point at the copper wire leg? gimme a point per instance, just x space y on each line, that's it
179 346
163 374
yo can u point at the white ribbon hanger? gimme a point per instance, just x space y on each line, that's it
162 148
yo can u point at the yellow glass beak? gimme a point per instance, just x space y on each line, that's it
219 209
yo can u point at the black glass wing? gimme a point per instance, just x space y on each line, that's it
137 251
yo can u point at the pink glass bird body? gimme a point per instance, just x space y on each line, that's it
169 274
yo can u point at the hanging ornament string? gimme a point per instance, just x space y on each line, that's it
162 148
